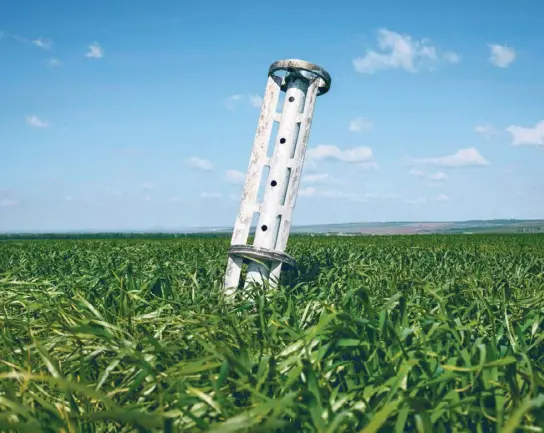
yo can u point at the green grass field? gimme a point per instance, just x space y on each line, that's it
391 334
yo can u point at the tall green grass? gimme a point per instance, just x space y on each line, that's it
374 334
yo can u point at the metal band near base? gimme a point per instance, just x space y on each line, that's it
295 65
251 252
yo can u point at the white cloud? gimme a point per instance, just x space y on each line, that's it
318 178
310 166
416 172
469 157
530 136
235 176
442 197
415 201
95 51
401 51
309 191
201 164
501 55
356 154
337 194
255 101
451 57
147 186
386 196
53 61
230 102
38 42
36 122
369 166
211 195
359 124
42 43
486 130
438 176
9 203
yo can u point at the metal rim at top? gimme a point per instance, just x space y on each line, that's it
295 65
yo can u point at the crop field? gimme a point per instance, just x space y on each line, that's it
436 333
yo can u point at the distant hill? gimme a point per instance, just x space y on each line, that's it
374 228
429 227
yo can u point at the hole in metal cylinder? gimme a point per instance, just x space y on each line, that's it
273 183
282 140
291 98
264 227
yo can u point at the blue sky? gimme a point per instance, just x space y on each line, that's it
119 116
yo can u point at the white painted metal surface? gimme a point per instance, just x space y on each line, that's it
257 162
302 84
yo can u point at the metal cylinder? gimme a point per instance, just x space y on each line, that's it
302 83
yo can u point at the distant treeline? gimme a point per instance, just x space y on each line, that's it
24 236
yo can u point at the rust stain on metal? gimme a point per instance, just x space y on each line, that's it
302 84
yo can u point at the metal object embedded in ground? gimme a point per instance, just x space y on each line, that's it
302 83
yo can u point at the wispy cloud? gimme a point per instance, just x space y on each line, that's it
311 191
253 100
437 177
401 51
40 42
360 124
235 176
95 51
211 195
501 55
6 202
200 163
385 196
36 122
147 186
53 61
415 201
486 130
469 157
416 172
230 102
43 43
321 178
527 136
326 151
442 197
